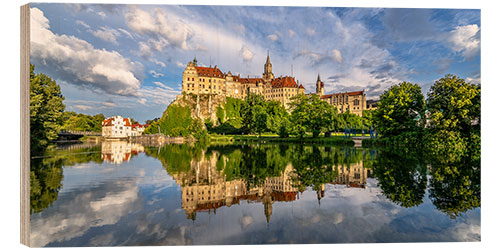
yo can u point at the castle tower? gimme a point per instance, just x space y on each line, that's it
268 69
320 87
267 200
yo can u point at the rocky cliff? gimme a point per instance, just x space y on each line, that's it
202 106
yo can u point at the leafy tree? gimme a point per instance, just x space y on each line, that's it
198 130
260 119
400 110
455 115
277 114
252 108
350 120
82 122
151 121
367 118
311 114
46 109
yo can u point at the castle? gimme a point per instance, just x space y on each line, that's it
207 80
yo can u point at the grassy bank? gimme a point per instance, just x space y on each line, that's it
337 140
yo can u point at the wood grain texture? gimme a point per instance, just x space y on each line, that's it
25 124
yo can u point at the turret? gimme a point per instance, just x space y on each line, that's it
320 86
268 69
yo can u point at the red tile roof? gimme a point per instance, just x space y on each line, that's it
249 80
127 122
209 71
355 93
137 125
345 93
284 82
108 122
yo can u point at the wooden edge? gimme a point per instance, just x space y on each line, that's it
25 124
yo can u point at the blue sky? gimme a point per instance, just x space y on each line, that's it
128 59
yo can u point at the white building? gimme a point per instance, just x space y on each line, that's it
116 127
137 129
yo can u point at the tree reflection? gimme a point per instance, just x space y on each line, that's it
402 177
313 167
46 173
455 186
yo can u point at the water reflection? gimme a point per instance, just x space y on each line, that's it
117 152
132 194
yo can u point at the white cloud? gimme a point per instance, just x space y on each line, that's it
273 37
164 30
291 33
82 23
78 62
321 58
162 64
473 80
181 65
124 31
83 107
107 34
109 104
466 40
246 54
142 101
155 74
159 95
101 14
161 85
337 56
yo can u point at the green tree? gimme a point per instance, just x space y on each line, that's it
46 109
252 108
400 110
260 120
277 114
309 113
455 115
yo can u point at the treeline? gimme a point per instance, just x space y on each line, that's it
82 122
447 123
255 115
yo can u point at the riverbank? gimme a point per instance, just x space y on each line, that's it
335 140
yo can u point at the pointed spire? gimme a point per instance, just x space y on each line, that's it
268 60
319 79
195 61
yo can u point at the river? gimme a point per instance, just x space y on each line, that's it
119 193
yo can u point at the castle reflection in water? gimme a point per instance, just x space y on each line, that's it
117 152
204 188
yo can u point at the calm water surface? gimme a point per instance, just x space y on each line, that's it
119 193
